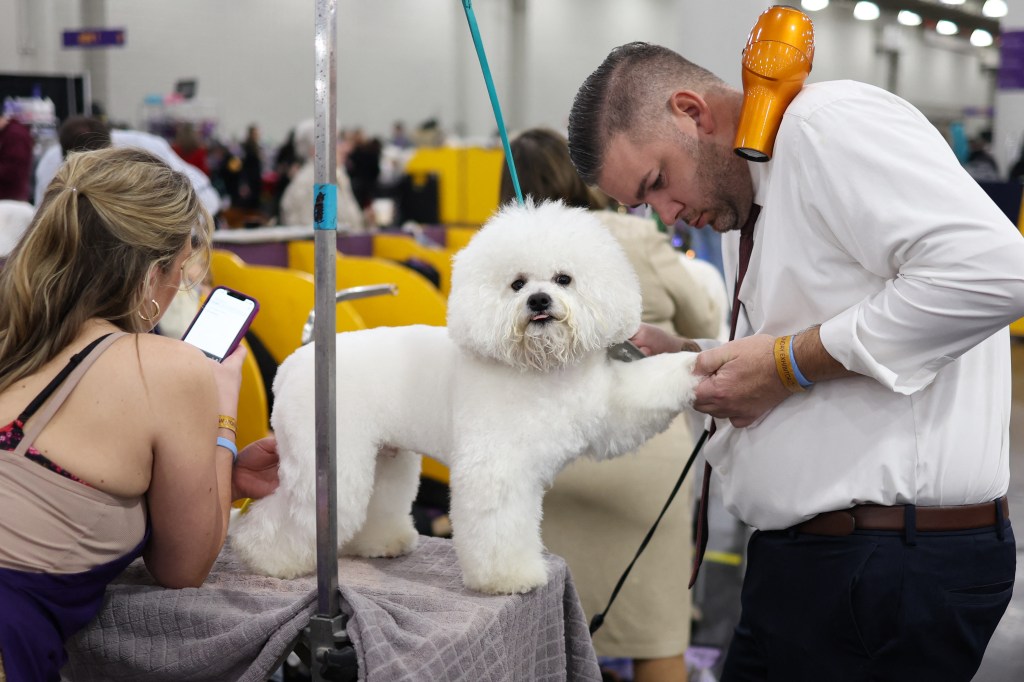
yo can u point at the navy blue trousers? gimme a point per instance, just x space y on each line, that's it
874 605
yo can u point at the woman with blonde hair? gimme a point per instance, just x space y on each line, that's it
596 513
114 442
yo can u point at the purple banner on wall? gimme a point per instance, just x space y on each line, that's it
95 37
1011 67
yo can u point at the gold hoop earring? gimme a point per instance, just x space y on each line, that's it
155 315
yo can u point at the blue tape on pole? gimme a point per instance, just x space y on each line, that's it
325 206
489 82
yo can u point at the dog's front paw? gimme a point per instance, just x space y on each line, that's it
383 542
687 379
514 578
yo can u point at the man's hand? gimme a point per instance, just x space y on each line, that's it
654 340
740 381
255 473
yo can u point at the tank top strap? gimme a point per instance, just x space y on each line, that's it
50 399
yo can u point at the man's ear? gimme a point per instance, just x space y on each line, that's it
687 104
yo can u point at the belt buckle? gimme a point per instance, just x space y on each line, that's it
848 516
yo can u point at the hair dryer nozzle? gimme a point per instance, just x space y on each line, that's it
776 61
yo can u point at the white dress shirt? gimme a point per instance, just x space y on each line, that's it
52 158
870 227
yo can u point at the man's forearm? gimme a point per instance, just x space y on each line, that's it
814 361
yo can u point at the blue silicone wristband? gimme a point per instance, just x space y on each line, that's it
230 446
800 378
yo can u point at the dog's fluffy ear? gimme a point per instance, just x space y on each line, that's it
546 237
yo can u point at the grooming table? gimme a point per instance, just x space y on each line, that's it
410 619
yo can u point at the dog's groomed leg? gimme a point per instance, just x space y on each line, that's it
389 529
496 528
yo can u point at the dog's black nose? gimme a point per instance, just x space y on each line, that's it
539 302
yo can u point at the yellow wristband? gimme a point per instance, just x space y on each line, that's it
783 366
226 422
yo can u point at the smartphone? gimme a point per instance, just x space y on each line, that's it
220 324
626 352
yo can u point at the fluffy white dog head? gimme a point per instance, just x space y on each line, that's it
540 286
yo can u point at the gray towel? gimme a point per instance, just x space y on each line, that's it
411 619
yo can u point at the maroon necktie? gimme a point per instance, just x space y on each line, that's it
746 246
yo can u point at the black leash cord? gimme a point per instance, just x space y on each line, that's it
598 620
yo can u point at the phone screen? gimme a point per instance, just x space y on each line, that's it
220 323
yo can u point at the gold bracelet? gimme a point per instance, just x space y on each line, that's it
226 422
782 365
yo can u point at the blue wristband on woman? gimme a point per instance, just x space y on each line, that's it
230 446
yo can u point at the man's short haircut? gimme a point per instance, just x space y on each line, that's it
83 134
629 91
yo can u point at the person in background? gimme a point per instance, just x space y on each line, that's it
1017 169
225 172
116 442
82 133
363 165
189 147
596 513
251 189
399 137
286 164
15 159
428 134
297 201
862 411
980 163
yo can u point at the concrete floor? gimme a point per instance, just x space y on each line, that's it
717 591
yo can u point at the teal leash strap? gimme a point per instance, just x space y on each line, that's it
475 31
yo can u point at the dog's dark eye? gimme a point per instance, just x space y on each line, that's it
518 284
563 280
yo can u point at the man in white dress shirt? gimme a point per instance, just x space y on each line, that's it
862 413
82 133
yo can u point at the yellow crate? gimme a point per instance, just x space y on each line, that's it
468 181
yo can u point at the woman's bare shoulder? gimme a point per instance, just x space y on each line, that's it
163 362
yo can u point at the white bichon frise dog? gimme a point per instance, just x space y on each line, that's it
515 388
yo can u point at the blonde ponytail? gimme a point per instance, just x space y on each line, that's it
108 219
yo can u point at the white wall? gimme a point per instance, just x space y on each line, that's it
29 43
413 59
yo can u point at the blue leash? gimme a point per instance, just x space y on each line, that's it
475 30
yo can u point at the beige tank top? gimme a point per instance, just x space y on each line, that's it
51 523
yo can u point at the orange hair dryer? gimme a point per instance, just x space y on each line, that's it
776 62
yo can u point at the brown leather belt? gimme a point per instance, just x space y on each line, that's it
877 517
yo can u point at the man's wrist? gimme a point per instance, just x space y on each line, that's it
814 360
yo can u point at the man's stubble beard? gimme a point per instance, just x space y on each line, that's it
724 178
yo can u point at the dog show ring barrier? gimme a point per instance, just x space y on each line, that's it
405 618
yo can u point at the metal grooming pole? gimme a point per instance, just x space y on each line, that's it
326 632
332 656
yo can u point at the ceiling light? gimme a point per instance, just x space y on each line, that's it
908 18
994 8
813 5
865 11
981 38
946 28
952 2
